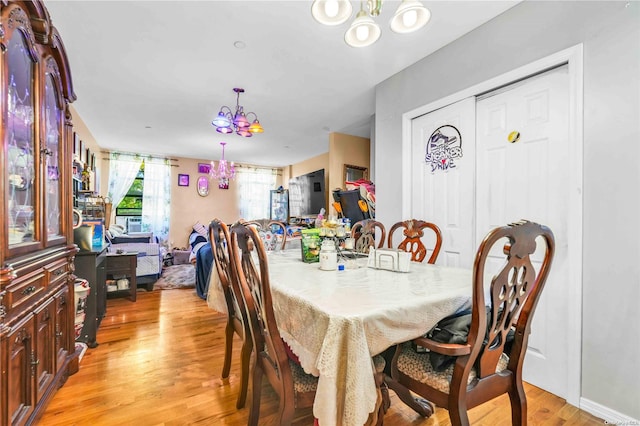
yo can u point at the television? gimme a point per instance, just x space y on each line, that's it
307 194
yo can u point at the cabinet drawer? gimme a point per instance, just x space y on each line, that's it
121 262
25 290
56 271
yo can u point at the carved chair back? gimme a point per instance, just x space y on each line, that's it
481 370
271 229
413 231
364 233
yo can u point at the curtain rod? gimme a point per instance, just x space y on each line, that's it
133 154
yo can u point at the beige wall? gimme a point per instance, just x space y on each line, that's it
343 149
83 132
187 207
346 149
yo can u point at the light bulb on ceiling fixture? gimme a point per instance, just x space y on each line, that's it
331 8
410 16
363 31
331 12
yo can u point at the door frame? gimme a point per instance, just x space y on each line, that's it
573 57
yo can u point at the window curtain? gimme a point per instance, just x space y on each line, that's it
254 186
123 169
156 197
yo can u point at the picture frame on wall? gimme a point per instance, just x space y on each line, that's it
81 153
223 183
76 145
204 168
87 157
183 180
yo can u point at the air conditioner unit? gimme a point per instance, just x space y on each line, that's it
134 224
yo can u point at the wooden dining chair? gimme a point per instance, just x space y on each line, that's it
413 231
364 233
236 321
269 234
482 367
294 387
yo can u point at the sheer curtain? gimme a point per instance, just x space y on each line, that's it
254 185
156 197
123 169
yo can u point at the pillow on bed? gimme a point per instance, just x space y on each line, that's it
201 229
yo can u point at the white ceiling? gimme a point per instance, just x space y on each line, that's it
151 75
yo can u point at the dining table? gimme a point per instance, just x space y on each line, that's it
336 321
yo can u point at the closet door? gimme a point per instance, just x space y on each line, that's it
442 178
525 175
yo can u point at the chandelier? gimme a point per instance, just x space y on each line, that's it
227 121
410 16
224 170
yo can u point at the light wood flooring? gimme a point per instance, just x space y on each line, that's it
159 362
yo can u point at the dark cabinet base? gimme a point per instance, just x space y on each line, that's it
91 265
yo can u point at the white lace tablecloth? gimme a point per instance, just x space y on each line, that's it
335 321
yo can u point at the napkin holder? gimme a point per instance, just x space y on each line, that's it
390 259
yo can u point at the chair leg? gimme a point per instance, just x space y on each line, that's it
245 357
228 342
518 400
458 412
419 405
256 393
286 410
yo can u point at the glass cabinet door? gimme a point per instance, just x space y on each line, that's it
20 143
52 155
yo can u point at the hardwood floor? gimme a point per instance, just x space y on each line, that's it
159 362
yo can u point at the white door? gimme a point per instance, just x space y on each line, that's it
527 178
443 188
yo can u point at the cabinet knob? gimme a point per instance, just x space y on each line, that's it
29 290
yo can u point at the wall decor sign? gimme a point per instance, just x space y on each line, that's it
204 168
183 180
223 183
444 146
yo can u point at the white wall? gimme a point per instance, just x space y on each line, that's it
610 33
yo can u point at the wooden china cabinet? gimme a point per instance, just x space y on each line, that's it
37 341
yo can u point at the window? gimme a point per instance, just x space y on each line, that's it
131 204
254 187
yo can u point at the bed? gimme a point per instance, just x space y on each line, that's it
149 252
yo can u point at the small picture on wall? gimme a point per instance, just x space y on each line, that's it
183 180
204 168
223 183
76 144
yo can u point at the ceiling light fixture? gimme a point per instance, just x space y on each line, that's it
226 118
224 170
410 16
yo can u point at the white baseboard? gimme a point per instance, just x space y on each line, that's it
607 414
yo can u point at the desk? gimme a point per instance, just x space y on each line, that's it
335 321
